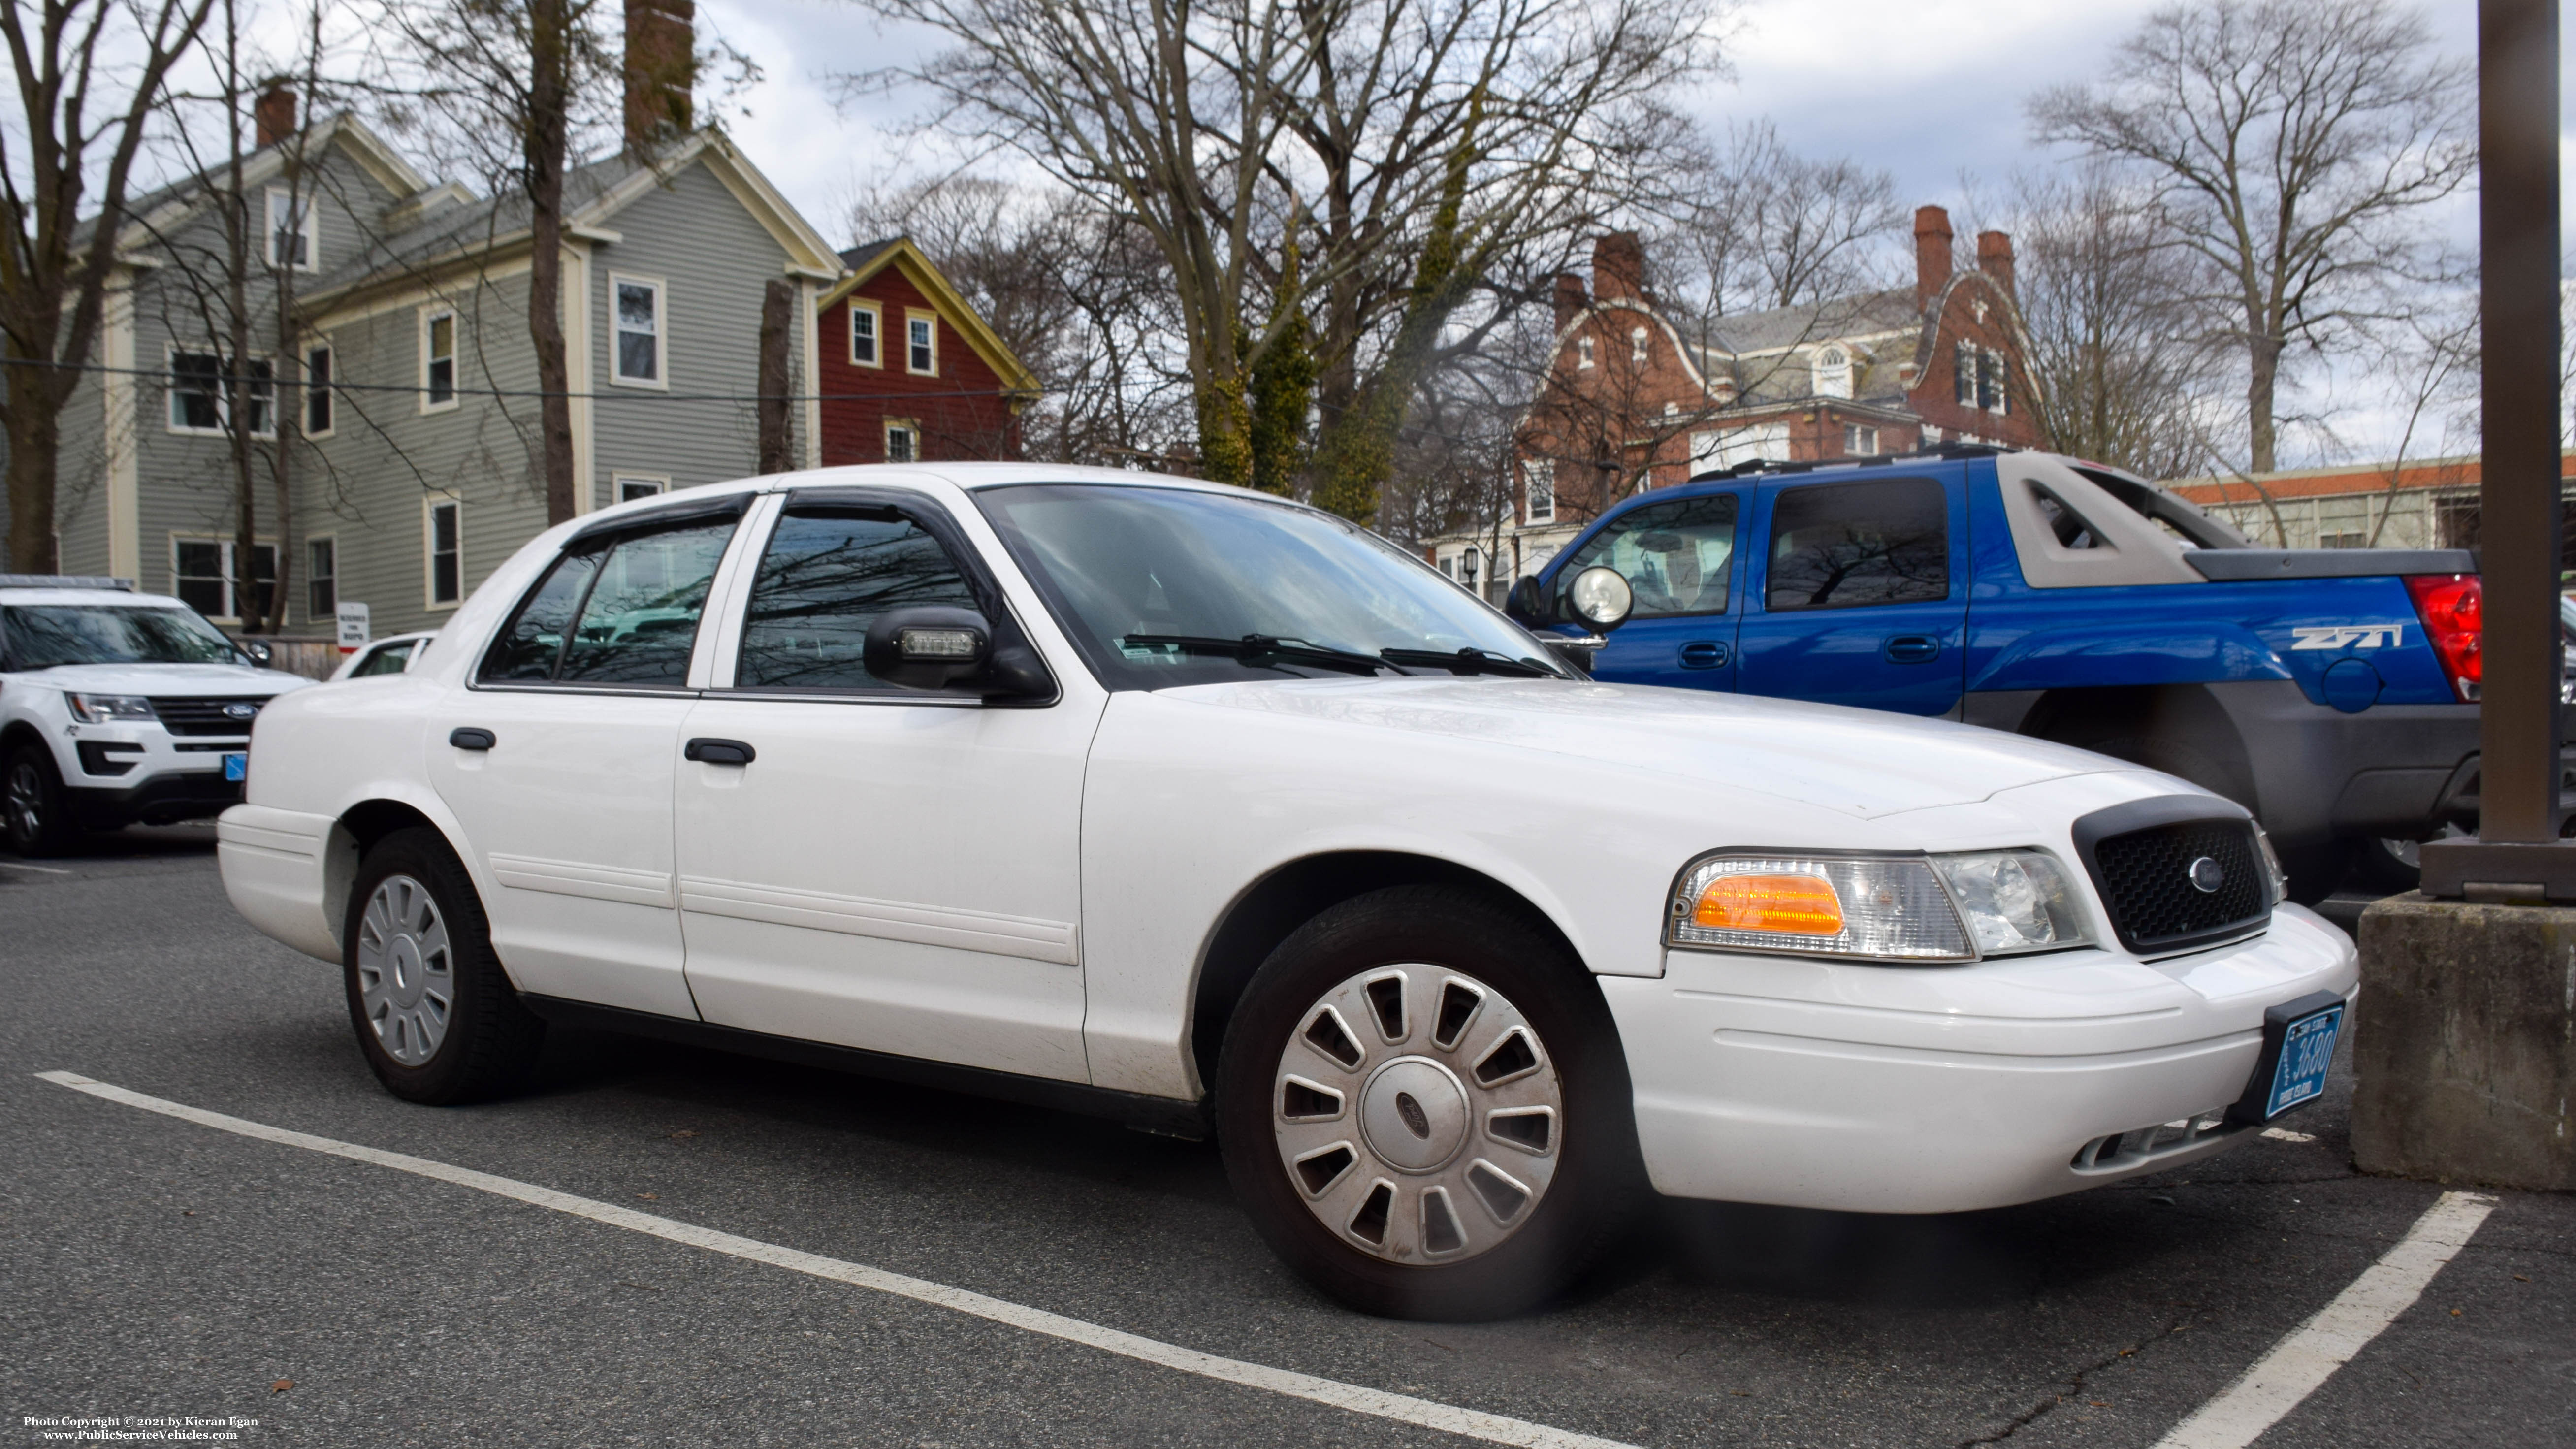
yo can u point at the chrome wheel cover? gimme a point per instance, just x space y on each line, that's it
1418 1114
406 970
26 802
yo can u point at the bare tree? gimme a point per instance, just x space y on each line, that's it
1394 145
2293 146
1754 225
67 56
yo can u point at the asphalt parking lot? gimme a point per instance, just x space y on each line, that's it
153 1266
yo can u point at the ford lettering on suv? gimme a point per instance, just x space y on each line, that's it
1210 812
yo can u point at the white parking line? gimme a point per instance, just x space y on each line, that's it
2284 1134
22 865
1402 1408
2308 1357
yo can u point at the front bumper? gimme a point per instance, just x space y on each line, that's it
118 774
1826 1084
156 800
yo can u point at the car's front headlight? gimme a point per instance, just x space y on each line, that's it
1924 909
104 708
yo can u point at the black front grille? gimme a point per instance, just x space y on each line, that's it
2147 882
202 716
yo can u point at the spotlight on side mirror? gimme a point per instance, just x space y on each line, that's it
1600 598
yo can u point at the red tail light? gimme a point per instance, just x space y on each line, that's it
2455 621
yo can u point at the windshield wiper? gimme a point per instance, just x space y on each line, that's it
1258 649
1469 661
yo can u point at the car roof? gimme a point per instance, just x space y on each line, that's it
118 598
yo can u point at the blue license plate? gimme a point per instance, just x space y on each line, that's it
2307 1049
236 767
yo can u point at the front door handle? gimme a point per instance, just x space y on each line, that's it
1705 654
721 752
1910 649
469 738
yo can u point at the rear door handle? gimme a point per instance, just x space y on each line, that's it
1910 649
721 752
469 738
1705 654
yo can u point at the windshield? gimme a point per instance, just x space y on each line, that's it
1158 587
44 635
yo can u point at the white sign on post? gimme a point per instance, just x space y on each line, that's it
353 628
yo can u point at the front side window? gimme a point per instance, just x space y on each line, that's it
639 331
1675 556
924 337
1540 474
1844 545
618 611
446 553
865 324
1161 587
317 392
41 636
205 575
321 579
290 230
826 576
438 360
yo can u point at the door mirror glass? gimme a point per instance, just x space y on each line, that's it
1845 545
1601 598
1675 556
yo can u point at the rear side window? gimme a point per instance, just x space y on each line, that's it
622 612
827 575
1843 545
1675 556
388 660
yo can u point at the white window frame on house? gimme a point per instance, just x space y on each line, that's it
1726 447
1538 485
1860 440
1831 376
1582 352
315 577
263 395
1449 565
430 402
318 395
920 334
281 198
618 332
1994 382
430 507
1636 344
910 428
231 603
1963 369
627 487
875 313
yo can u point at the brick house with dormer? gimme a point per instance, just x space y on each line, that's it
909 371
1638 397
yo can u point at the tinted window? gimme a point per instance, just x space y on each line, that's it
827 575
1675 555
44 635
388 659
623 611
1841 545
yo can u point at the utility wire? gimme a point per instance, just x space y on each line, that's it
204 381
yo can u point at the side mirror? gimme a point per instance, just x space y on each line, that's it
1601 598
260 654
927 647
1527 605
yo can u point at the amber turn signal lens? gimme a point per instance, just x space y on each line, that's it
1789 905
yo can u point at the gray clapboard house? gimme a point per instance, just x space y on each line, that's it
408 399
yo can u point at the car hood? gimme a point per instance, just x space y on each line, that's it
1857 761
165 679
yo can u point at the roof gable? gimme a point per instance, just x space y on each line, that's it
901 255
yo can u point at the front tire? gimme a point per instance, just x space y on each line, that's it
38 813
434 1012
1424 1107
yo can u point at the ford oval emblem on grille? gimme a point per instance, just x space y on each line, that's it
245 711
2206 877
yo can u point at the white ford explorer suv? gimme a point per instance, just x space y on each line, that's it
117 707
1208 811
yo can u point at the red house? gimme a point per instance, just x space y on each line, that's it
908 370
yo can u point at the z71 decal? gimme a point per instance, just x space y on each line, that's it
2354 636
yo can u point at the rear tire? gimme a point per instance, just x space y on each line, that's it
1436 1214
2385 866
434 1012
39 816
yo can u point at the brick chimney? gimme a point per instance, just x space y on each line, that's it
661 70
1619 268
1570 299
1995 258
1931 253
272 116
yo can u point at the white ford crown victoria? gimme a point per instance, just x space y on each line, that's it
1203 810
